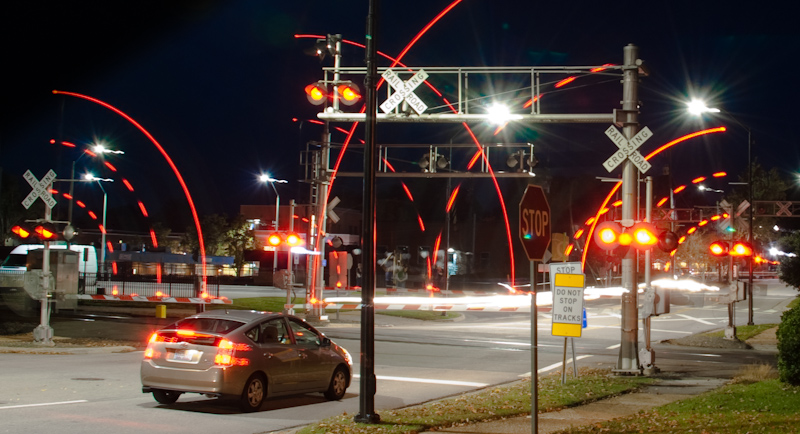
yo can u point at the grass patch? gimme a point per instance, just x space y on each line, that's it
794 303
767 406
744 332
755 373
491 403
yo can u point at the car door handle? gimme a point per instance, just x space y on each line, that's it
303 355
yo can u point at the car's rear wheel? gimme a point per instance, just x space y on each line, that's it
255 390
338 385
166 396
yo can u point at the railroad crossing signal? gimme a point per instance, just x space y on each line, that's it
534 222
627 149
41 189
404 90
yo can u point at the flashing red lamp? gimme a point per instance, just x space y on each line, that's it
349 94
274 239
719 248
316 93
293 240
741 248
644 236
607 235
20 231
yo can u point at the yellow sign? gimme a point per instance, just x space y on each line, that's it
568 304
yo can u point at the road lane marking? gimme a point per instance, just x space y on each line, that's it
427 380
670 331
43 404
613 346
702 321
555 365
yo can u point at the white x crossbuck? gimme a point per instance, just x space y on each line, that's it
404 90
40 189
628 149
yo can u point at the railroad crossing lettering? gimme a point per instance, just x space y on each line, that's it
627 149
41 189
404 90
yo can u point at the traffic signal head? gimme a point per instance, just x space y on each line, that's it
607 235
668 241
741 248
349 94
274 239
316 93
21 231
644 235
293 240
719 248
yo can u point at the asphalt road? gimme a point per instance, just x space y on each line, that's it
415 362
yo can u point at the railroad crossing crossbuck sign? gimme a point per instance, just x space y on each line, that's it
627 149
404 90
41 189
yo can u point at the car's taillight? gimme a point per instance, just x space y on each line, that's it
150 353
226 354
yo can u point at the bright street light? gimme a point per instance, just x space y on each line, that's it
101 149
265 178
697 107
90 177
702 187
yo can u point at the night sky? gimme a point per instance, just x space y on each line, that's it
219 83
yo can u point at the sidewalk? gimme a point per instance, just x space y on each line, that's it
662 392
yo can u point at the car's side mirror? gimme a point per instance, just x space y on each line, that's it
325 342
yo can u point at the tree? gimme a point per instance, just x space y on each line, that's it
767 185
239 238
215 229
789 270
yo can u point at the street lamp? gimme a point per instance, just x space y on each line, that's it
265 178
97 149
90 177
697 108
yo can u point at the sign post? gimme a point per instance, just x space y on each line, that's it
43 333
535 234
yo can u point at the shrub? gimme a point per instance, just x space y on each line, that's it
789 347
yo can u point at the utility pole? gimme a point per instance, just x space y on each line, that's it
628 362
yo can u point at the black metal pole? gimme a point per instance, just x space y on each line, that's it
750 228
368 384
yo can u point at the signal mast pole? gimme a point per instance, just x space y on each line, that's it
628 361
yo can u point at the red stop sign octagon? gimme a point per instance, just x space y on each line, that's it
534 222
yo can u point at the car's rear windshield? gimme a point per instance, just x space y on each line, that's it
207 325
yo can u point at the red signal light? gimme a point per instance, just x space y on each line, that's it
719 248
45 233
349 94
20 231
644 235
741 248
316 94
607 235
274 239
293 240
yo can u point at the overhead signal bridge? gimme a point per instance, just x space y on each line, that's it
508 160
408 99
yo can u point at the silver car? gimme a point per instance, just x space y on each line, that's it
246 355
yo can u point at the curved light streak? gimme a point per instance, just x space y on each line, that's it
619 184
166 157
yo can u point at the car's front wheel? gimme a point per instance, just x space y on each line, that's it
338 385
166 396
255 390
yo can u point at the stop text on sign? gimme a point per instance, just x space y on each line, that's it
535 223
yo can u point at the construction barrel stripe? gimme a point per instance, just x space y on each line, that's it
191 300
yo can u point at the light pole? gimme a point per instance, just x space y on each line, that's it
265 178
90 177
697 108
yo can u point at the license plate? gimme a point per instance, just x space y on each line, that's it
183 356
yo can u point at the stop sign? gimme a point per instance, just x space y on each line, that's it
534 222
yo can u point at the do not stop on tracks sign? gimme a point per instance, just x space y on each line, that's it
534 222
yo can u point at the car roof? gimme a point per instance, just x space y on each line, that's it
237 314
